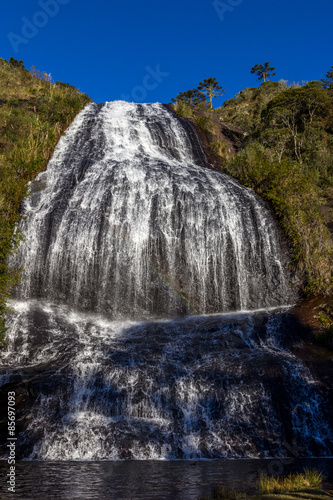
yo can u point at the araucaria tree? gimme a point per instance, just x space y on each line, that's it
263 71
191 97
211 88
328 81
15 63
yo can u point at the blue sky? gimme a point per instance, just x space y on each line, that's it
147 51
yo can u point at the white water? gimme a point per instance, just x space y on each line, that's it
124 223
126 230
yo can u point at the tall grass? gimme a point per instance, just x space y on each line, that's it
293 482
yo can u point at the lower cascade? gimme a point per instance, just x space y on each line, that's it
152 321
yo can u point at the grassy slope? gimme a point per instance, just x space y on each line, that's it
33 115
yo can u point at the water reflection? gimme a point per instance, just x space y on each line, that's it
135 480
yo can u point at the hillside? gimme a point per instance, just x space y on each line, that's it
34 112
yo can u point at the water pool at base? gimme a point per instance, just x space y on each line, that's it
136 480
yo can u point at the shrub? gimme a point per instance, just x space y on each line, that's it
325 334
205 123
182 109
220 148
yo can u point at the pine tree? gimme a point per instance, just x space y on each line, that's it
191 97
328 81
15 63
263 72
211 88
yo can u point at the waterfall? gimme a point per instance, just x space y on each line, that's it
126 222
144 326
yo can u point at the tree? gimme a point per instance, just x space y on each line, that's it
191 97
328 81
263 72
277 139
211 88
296 109
15 63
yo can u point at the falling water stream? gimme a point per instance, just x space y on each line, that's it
152 320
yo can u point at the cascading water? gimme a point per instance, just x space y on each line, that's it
130 245
125 223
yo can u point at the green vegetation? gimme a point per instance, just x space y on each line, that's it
196 99
324 335
285 153
306 486
263 72
244 111
293 482
190 98
204 123
211 88
220 148
328 81
34 112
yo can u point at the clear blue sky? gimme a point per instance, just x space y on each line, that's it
149 50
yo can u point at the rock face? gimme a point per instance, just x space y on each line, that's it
117 346
200 387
